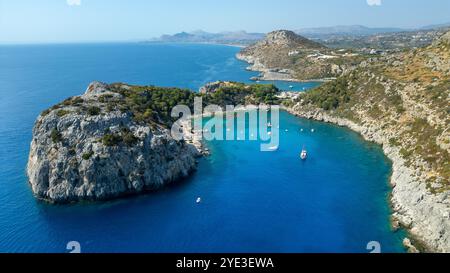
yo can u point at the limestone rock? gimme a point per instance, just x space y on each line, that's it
70 160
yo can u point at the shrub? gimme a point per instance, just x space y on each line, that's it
129 138
93 110
77 100
111 140
45 112
88 155
55 136
62 113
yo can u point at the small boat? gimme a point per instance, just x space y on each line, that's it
304 154
287 130
301 130
198 201
269 133
291 86
312 130
269 125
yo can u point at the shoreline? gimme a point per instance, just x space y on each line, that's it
405 185
267 75
196 43
424 215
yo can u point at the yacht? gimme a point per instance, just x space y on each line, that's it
304 154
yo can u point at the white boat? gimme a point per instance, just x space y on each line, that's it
198 201
291 86
312 130
269 133
269 125
304 154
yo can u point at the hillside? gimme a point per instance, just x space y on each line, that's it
401 101
285 55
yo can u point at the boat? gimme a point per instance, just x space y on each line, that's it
312 130
291 86
269 125
198 201
304 154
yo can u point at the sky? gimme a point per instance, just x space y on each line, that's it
42 21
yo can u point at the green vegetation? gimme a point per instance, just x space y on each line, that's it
128 138
114 139
111 140
88 155
62 113
93 110
55 136
240 94
330 95
150 104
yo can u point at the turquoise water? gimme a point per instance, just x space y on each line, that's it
336 201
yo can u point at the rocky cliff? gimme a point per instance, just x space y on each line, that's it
400 101
284 55
93 147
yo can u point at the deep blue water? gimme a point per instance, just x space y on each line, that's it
336 201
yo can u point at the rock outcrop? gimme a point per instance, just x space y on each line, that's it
85 149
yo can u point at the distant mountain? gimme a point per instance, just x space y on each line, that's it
436 26
319 33
353 30
199 36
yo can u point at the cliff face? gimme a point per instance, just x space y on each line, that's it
284 55
400 101
85 149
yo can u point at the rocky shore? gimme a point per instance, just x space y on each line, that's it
83 151
425 215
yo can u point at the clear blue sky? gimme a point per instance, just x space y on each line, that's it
112 20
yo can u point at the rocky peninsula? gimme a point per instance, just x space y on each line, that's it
91 147
284 55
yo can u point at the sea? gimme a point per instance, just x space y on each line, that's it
252 202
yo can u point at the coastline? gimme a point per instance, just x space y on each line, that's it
196 43
424 215
414 208
269 75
